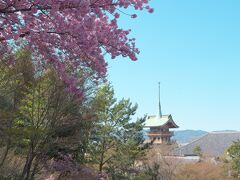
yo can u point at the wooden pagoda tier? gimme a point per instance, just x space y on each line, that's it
159 128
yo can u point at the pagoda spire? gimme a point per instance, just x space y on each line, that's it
159 102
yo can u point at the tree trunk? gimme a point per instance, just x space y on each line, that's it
27 167
100 167
101 162
35 167
5 154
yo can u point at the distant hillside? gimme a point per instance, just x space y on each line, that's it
186 136
226 131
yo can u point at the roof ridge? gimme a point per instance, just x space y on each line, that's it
195 140
224 132
209 133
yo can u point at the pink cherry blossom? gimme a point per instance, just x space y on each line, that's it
70 33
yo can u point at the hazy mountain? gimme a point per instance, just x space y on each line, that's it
226 131
186 136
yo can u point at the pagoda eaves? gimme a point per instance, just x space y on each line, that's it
157 121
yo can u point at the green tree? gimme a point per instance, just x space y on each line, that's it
13 82
115 142
39 118
197 150
50 121
234 152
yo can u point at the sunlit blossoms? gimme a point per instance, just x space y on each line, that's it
70 34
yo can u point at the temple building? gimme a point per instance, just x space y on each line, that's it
159 126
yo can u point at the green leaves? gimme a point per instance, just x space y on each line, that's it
38 117
115 140
234 153
197 150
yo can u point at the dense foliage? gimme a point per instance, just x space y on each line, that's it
45 128
75 33
116 141
39 118
234 153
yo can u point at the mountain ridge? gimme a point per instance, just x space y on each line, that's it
188 135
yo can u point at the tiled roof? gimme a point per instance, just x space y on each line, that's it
213 144
156 121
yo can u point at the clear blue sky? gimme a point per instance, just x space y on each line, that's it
193 48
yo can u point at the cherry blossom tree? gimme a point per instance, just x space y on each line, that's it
70 34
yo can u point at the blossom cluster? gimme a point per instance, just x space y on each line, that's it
70 33
65 165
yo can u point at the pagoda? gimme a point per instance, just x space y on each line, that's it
159 126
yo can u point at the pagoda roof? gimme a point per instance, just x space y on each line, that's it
157 121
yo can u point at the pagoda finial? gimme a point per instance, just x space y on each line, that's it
159 102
